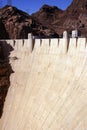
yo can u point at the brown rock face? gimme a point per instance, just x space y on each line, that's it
49 21
15 21
74 17
3 32
18 24
50 17
79 5
5 71
47 14
77 16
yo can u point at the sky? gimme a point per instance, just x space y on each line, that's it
31 6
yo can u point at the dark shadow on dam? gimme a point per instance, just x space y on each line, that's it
5 72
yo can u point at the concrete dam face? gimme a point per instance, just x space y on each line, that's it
48 89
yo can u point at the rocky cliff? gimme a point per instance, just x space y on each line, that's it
47 14
3 32
49 21
5 71
18 24
74 17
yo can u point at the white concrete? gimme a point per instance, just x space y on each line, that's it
47 92
18 45
63 42
37 45
30 36
75 33
45 46
81 44
65 34
72 46
28 45
54 46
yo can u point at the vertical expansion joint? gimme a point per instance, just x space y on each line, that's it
58 42
40 42
14 43
49 42
76 41
23 42
33 43
68 40
85 42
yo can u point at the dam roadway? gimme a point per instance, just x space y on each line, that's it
48 89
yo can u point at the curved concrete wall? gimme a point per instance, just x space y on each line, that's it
48 88
60 46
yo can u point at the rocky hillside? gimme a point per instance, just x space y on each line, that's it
78 5
17 24
5 71
74 17
3 32
49 21
77 13
47 14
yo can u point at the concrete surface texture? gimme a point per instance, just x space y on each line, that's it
48 88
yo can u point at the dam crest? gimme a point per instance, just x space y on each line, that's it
61 45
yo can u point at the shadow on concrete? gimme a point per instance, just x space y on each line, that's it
5 72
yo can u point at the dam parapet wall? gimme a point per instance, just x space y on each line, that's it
52 45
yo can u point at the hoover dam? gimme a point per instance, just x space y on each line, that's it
48 88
